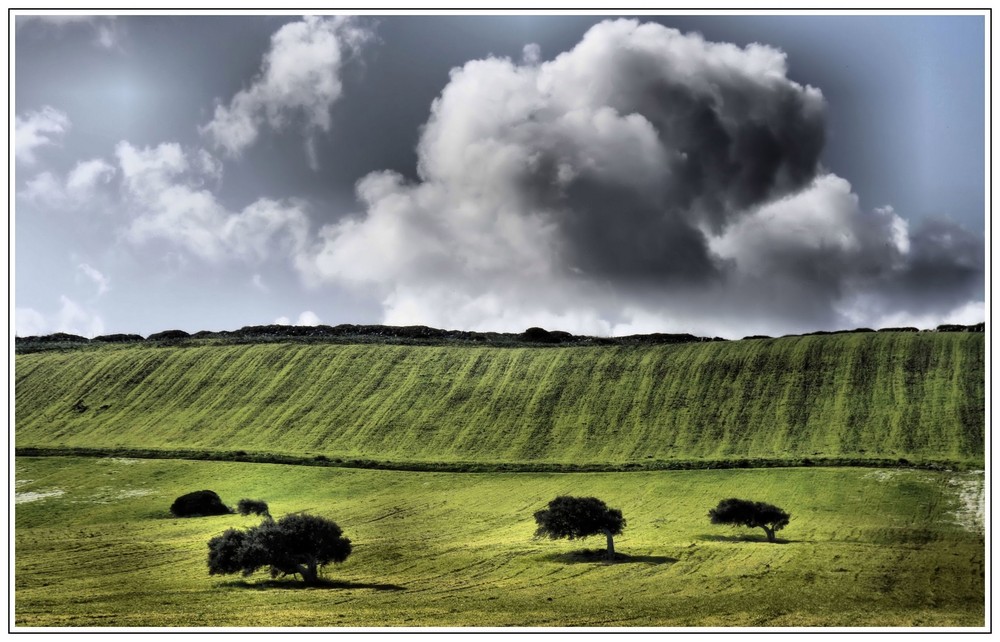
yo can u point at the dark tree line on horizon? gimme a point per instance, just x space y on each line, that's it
419 333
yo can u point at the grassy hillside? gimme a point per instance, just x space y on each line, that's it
865 395
95 546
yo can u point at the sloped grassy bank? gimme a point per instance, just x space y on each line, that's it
842 398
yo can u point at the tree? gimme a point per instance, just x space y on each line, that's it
539 335
198 504
168 335
579 517
252 507
744 512
294 545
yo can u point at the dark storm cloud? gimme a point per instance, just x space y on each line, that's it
943 271
739 130
944 257
646 179
816 255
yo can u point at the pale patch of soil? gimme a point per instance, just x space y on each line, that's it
123 460
34 496
971 511
882 475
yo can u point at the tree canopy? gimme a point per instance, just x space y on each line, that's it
578 517
745 512
294 545
252 507
199 503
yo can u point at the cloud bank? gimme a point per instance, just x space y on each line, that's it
299 81
646 180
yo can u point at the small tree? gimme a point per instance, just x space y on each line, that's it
293 545
579 517
198 504
252 507
744 512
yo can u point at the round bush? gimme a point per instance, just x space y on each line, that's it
199 504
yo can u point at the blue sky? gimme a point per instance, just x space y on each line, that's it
586 173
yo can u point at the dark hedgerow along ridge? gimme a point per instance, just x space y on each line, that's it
915 397
416 335
490 467
351 333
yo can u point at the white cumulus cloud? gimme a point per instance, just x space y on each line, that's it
308 317
37 129
71 318
258 282
299 81
88 174
43 188
102 282
166 190
86 182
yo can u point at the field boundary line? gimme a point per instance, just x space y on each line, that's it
494 467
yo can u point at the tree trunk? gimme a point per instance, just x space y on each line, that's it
770 533
308 572
611 545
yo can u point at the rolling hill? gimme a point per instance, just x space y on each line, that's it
854 397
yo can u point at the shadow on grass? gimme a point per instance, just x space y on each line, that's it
319 584
600 556
159 514
759 539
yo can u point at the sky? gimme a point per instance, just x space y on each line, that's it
603 175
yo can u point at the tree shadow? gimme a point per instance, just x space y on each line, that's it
759 539
293 585
159 514
600 556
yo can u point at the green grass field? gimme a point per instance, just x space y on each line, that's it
858 396
96 546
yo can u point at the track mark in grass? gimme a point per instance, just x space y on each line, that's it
106 495
397 512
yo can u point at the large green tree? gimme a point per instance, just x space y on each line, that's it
578 517
294 545
744 512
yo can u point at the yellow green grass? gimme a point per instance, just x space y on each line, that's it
859 396
865 547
